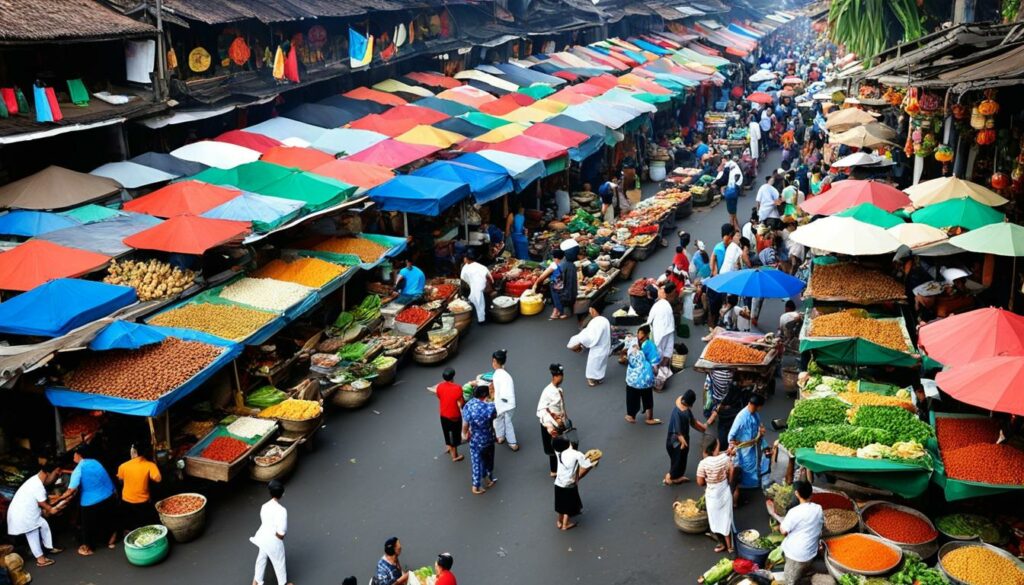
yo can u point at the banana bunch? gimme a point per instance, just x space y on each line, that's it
868 27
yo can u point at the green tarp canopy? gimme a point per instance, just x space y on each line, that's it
902 479
956 489
251 176
484 120
315 192
555 165
537 91
855 351
91 213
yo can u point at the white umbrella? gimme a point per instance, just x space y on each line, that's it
916 235
862 159
845 235
762 75
211 153
945 188
847 118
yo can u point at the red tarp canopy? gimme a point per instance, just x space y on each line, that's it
563 136
188 234
587 89
846 194
532 147
35 262
570 97
393 154
434 79
566 75
373 95
183 198
418 114
257 142
604 80
506 103
362 175
381 125
300 158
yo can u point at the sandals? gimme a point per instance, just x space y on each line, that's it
630 419
45 562
569 526
459 458
720 548
653 421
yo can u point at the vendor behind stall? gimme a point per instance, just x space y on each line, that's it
410 283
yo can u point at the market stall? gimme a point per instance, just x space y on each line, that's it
855 337
968 461
853 283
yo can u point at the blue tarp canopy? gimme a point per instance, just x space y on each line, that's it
650 47
531 74
444 106
169 164
422 195
486 184
523 169
29 223
103 237
264 211
64 397
57 307
461 126
125 335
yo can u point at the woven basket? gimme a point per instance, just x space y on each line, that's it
678 361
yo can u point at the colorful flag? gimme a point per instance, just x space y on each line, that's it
360 49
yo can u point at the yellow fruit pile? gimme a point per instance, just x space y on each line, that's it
293 409
311 272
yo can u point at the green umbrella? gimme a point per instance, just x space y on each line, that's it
537 91
1003 239
91 213
484 120
873 214
964 212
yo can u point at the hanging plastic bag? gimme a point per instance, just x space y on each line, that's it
51 98
42 104
291 66
279 64
10 100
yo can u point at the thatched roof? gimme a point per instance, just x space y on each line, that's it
34 21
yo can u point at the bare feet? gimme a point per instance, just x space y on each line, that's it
720 548
630 419
457 459
85 551
569 526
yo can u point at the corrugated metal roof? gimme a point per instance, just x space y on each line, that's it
29 21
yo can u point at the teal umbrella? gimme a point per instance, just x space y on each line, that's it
873 214
963 212
1002 239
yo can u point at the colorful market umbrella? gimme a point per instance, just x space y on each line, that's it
222 155
56 307
946 188
415 113
381 125
347 141
444 106
248 177
502 133
182 198
434 79
415 194
995 383
362 175
467 96
916 235
373 95
188 234
484 120
262 211
537 91
29 265
961 339
873 214
169 164
430 136
125 335
56 188
847 118
258 142
393 154
507 103
132 175
91 213
765 283
846 194
868 136
759 97
845 235
27 223
298 158
963 212
1001 239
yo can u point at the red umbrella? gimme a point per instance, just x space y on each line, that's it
188 234
983 333
257 142
306 159
182 198
995 383
28 265
759 97
846 194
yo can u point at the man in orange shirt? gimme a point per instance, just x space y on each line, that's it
135 476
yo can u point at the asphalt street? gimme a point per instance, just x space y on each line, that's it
381 471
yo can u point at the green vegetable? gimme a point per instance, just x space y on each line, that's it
969 525
903 424
775 557
851 579
818 411
146 536
851 436
265 397
915 572
782 496
718 573
383 362
368 310
352 352
344 320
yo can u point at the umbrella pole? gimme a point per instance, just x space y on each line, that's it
405 223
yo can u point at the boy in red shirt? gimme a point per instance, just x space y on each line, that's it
443 569
449 395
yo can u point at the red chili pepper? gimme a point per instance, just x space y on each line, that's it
413 315
898 525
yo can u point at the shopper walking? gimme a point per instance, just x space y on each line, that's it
28 509
551 413
96 504
597 337
678 442
663 322
642 358
389 567
572 467
553 273
478 428
504 400
135 476
269 538
715 473
450 399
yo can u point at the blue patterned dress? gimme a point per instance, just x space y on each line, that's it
479 416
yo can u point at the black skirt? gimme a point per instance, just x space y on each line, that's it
567 500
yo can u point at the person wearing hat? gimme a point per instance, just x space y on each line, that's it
504 400
443 570
478 428
701 262
597 337
551 413
745 442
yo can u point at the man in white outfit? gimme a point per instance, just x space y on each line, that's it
476 276
504 400
270 536
663 323
25 513
597 337
754 134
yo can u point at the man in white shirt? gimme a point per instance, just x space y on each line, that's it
731 260
768 200
504 400
26 510
551 413
802 529
476 276
597 337
663 323
791 315
270 536
754 134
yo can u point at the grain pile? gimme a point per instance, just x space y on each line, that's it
723 351
852 324
311 272
366 250
225 321
264 293
853 281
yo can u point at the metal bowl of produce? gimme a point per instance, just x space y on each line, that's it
952 546
923 549
835 565
969 527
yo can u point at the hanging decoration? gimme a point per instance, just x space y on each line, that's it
278 71
199 60
360 49
316 37
1000 181
239 52
291 65
387 49
172 59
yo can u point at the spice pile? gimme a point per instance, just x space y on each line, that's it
180 505
224 449
247 427
440 291
637 288
969 452
414 315
293 409
899 526
225 321
723 351
366 250
151 280
311 272
264 293
862 554
146 373
853 323
977 565
853 281
690 508
872 399
960 432
838 520
831 501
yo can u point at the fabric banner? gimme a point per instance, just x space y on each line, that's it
360 49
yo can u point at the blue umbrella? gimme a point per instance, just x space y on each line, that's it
23 222
765 283
125 335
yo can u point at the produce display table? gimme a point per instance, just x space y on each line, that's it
906 480
958 489
852 283
198 466
856 351
765 368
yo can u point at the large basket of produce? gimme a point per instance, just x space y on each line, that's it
146 546
839 521
691 516
184 515
503 309
296 416
861 554
427 354
274 461
353 395
411 319
976 563
387 368
752 546
531 303
905 527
